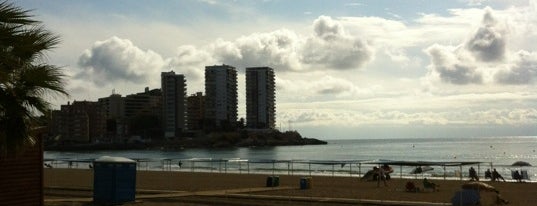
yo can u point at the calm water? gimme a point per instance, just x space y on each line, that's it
501 151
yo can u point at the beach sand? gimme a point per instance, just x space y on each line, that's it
247 189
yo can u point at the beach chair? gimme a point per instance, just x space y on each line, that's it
429 185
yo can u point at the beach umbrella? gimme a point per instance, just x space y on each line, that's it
521 164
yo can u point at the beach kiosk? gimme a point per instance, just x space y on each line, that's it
114 180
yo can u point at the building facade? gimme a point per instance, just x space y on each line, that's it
143 114
173 104
220 97
82 122
195 111
114 112
260 98
148 102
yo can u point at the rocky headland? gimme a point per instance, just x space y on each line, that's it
244 138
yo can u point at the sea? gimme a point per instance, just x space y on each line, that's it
338 157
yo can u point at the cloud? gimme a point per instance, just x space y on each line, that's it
190 61
485 57
353 4
346 118
329 47
319 87
358 118
277 49
115 60
451 67
119 61
329 85
523 71
475 2
326 28
488 44
332 47
476 59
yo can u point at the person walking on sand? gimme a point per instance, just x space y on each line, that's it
381 176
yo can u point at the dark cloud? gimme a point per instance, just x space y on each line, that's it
118 59
332 90
524 70
459 74
488 44
330 85
450 68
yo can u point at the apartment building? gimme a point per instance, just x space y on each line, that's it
114 113
195 111
260 98
81 121
173 104
220 97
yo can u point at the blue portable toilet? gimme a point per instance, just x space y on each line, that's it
114 180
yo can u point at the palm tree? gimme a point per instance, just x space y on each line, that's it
25 78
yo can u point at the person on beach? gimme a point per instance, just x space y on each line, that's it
496 175
473 174
488 174
417 170
381 176
387 170
517 176
430 185
370 175
375 173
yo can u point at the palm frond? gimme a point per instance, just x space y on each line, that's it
11 14
43 78
32 43
24 78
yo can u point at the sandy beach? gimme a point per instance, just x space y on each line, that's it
73 186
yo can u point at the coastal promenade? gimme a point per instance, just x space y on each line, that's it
74 187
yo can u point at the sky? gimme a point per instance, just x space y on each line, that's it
344 68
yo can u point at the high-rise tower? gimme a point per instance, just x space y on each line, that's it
173 103
220 97
260 98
